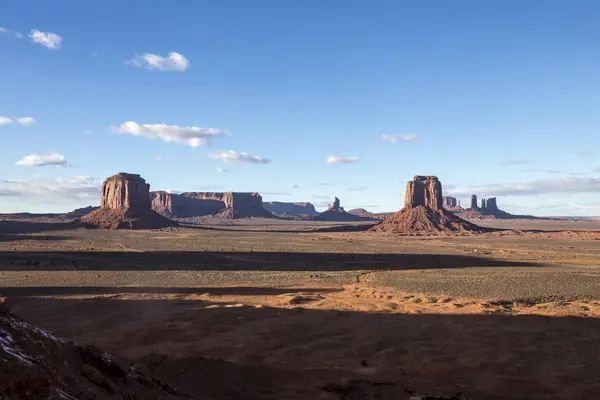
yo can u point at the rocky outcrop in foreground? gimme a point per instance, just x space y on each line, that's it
219 204
423 212
125 204
285 209
34 364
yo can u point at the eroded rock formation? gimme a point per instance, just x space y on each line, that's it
125 191
335 212
423 212
125 204
424 191
221 204
474 202
282 208
449 202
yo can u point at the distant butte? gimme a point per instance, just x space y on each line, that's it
423 212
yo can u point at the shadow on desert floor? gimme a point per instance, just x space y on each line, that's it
238 261
273 353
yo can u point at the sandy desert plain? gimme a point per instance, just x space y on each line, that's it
264 309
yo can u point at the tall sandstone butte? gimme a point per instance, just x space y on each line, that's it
423 212
424 191
125 204
474 202
125 191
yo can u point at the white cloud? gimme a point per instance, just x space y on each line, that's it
293 186
567 185
342 160
222 170
171 191
8 31
189 135
158 157
25 121
34 160
173 62
358 188
233 156
405 137
47 39
82 187
21 121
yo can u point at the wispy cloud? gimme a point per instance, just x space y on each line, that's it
158 157
88 133
276 193
34 160
209 187
18 120
49 40
293 186
395 138
189 135
60 188
172 62
515 162
358 188
319 196
222 170
7 31
235 157
25 121
532 188
331 160
545 171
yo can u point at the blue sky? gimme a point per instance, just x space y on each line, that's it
495 98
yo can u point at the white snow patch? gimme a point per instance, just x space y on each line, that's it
8 344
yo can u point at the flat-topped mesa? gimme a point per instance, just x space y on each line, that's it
424 191
221 204
124 191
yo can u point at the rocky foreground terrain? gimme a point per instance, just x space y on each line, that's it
271 309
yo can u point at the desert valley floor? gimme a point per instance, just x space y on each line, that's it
259 309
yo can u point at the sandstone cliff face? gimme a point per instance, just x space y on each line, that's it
221 204
125 204
424 191
449 202
278 207
335 206
423 212
474 202
123 191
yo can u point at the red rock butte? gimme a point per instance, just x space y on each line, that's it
423 212
125 204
